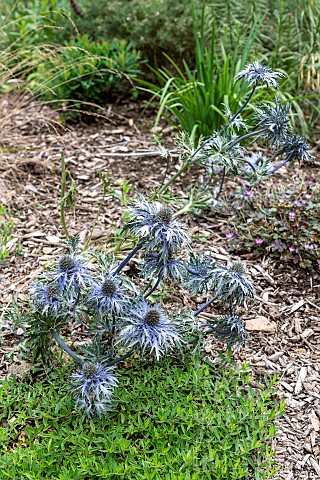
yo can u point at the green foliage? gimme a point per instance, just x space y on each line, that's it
154 26
288 36
6 227
174 421
197 98
281 221
87 72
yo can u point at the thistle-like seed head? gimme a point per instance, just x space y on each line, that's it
90 370
66 263
152 318
53 290
165 214
108 288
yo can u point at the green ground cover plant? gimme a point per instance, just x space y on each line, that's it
180 419
279 220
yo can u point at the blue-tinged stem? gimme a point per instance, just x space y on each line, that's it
190 270
65 347
223 176
223 332
78 359
155 286
204 306
249 163
247 135
116 360
288 158
128 258
243 106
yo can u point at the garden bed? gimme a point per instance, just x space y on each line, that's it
284 319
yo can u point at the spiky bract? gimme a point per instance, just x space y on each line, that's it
156 266
72 270
237 122
93 388
154 222
297 148
230 329
256 73
274 118
217 152
148 328
109 296
230 284
47 297
198 277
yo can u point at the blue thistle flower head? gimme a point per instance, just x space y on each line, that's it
109 295
47 297
275 120
93 388
155 265
72 270
298 148
230 284
230 329
198 277
155 223
148 328
255 73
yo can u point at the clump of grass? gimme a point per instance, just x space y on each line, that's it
177 420
6 227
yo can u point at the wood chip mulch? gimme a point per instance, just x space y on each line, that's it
285 318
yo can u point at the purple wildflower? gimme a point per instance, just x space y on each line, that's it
259 240
229 235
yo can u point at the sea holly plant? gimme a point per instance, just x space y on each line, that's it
93 292
224 151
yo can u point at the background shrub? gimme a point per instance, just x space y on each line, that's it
87 71
288 35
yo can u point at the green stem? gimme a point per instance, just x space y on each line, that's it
94 223
63 192
172 179
186 208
